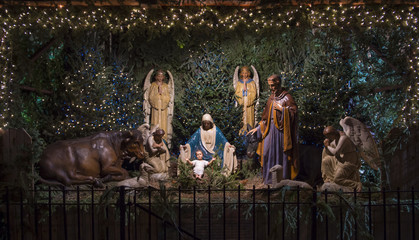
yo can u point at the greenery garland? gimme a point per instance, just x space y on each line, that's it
360 61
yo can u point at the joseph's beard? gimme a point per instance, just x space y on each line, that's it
277 91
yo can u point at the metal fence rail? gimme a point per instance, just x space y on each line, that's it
119 213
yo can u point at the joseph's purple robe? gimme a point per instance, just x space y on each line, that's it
273 141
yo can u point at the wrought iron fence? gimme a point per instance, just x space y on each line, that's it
119 213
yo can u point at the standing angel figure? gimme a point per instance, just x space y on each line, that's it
159 102
247 94
342 153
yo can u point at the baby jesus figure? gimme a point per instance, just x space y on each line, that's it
199 164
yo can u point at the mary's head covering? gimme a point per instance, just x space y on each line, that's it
207 117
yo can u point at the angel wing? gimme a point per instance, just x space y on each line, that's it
363 140
146 90
236 77
256 80
170 108
145 132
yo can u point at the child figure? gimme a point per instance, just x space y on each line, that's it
199 164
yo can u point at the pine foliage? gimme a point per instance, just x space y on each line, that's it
212 177
99 98
322 91
359 61
209 90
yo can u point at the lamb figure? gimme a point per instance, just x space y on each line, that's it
141 181
278 182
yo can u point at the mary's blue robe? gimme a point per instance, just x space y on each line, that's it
196 143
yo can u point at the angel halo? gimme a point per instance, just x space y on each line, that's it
159 102
246 94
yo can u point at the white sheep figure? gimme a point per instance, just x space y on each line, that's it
333 187
141 181
276 172
278 182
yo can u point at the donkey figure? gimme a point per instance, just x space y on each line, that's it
252 142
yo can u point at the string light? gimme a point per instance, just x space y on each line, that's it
63 17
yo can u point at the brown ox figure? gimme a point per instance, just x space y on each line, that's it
90 160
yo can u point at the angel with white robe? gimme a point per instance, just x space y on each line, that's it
247 94
159 102
341 158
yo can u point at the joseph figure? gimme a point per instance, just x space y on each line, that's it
277 132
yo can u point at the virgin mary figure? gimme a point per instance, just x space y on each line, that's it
210 140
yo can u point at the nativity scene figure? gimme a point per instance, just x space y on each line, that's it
158 154
95 159
277 132
142 181
278 182
199 164
343 150
247 94
159 102
210 141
